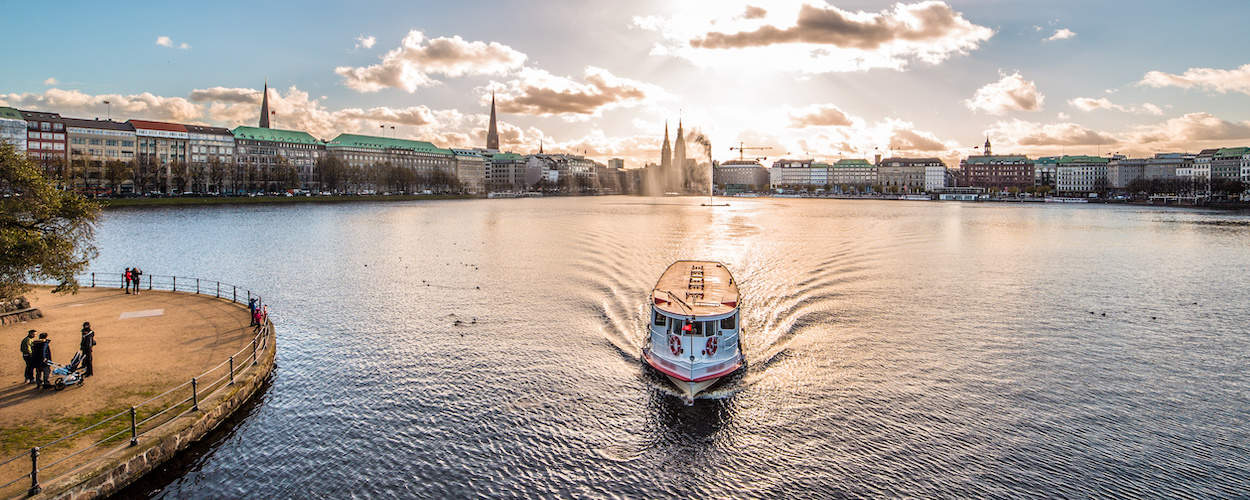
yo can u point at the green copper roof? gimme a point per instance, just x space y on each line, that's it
980 159
1083 159
273 135
505 156
371 142
10 114
1232 152
1046 160
851 163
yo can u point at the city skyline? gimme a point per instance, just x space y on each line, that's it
821 80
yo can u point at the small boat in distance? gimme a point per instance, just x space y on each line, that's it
693 329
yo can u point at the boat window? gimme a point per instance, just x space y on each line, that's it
729 323
659 318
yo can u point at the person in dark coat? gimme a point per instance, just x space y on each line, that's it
126 278
137 275
29 357
87 343
41 351
251 310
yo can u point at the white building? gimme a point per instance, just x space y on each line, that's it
799 174
470 169
1081 174
934 177
853 172
13 128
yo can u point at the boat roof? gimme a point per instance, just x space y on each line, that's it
696 288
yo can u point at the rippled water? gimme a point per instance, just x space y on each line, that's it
894 348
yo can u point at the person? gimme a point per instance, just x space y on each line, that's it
136 275
251 310
29 357
126 280
41 350
85 345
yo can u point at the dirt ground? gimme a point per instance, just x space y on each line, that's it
146 344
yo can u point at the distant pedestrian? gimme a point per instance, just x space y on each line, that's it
126 280
41 350
251 310
86 345
28 357
136 275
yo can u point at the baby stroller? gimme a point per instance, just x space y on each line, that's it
68 375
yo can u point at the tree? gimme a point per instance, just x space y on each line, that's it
116 171
216 174
44 233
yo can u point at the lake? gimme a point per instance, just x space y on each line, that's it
491 348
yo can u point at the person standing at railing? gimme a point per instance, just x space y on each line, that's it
41 351
251 311
28 356
126 280
86 345
137 275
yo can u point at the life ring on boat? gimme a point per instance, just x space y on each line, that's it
674 344
710 347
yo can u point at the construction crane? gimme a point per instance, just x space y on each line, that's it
741 149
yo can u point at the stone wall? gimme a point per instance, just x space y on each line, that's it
17 311
126 464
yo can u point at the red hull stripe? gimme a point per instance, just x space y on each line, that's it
687 378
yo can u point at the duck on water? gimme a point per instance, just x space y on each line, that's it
693 332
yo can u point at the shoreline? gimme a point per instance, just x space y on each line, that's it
110 203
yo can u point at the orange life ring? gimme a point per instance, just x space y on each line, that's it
710 347
674 344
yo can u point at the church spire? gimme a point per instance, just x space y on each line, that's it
540 146
987 145
264 107
492 134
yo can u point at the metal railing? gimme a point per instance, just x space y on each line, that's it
154 412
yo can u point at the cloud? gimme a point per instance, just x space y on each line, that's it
164 41
1218 80
418 60
912 140
1191 129
184 46
1088 104
1061 34
50 81
813 37
74 102
1026 133
224 94
1010 93
753 12
537 92
365 41
821 115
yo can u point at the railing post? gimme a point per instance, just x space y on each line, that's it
34 473
254 340
195 396
231 370
219 289
92 280
149 282
175 283
134 437
234 293
197 286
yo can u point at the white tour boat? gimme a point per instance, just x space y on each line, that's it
694 325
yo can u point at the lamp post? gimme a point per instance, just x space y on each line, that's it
109 107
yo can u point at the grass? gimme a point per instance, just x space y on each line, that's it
247 200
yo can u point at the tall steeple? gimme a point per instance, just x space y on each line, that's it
987 145
666 152
540 146
264 107
492 134
677 179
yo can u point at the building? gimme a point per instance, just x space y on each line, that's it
740 175
492 132
1045 171
162 155
666 154
617 163
1202 165
1227 163
13 128
259 152
504 171
852 174
905 175
431 165
796 174
1123 172
998 172
470 170
572 173
264 107
211 157
1080 175
45 140
95 143
934 178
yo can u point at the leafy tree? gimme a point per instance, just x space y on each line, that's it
116 171
44 233
216 174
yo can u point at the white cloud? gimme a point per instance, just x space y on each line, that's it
1192 130
417 60
365 41
50 81
164 41
1010 93
1061 34
1088 104
74 102
819 115
1218 80
1021 134
813 37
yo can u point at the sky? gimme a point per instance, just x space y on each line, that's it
808 79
